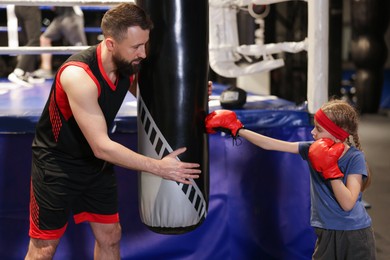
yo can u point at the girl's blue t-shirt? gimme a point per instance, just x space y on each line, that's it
326 213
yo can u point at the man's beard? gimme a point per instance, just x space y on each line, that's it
126 68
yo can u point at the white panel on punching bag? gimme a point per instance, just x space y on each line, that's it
164 203
172 104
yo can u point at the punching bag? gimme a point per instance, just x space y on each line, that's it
172 104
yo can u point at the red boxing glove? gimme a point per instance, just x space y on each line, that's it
323 155
223 120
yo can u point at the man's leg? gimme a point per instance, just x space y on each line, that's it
41 249
107 240
45 57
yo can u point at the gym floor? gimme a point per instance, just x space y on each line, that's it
374 133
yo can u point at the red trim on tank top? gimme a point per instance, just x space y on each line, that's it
61 97
131 79
101 68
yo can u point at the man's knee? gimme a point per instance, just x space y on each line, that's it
114 235
41 249
109 236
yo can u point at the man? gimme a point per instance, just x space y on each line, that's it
73 156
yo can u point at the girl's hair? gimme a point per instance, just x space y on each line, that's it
346 117
117 20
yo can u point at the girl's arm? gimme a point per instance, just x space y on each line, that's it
269 143
347 195
226 120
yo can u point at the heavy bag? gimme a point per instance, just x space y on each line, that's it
172 104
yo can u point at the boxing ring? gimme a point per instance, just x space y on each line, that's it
259 204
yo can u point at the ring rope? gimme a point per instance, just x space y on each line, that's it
58 49
39 50
63 2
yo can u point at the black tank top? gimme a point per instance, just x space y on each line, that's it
59 143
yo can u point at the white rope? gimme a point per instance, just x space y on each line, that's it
62 2
40 50
55 50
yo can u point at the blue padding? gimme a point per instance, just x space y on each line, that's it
92 29
259 204
20 109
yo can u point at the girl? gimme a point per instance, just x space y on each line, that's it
339 175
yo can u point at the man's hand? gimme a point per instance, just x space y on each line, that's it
323 155
171 168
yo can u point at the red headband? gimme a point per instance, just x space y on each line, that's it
329 126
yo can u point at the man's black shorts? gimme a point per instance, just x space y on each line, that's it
55 194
